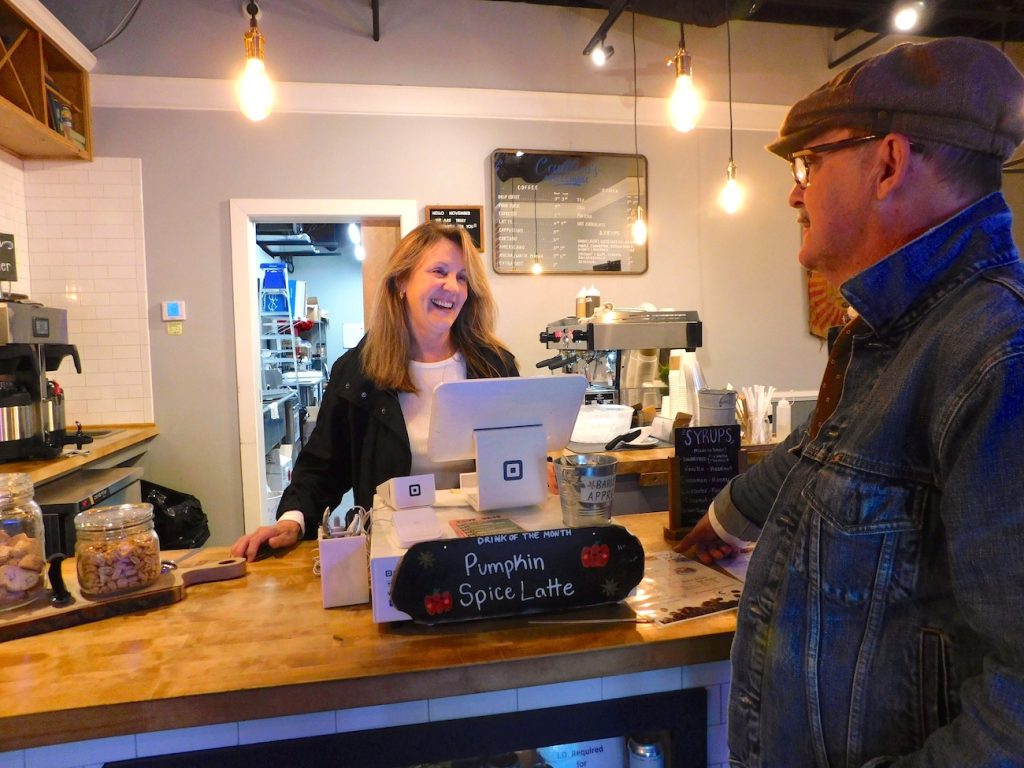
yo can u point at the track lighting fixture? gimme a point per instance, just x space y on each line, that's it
685 105
601 54
907 16
255 93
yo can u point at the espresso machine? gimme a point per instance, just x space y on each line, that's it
620 350
33 342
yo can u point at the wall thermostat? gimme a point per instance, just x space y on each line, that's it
172 310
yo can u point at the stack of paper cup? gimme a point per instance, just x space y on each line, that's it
679 402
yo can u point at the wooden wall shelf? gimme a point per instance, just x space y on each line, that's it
44 93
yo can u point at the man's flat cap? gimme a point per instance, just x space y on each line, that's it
956 91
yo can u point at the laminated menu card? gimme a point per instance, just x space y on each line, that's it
675 588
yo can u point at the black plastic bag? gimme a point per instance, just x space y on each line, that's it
178 517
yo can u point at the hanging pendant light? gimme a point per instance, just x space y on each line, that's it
732 195
638 229
686 104
255 92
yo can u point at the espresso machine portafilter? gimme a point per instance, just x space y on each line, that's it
618 350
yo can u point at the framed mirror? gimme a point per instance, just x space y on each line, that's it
566 212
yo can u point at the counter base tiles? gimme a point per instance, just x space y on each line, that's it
713 677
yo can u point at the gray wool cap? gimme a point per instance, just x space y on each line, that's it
956 91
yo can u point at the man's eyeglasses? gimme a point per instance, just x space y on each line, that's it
800 161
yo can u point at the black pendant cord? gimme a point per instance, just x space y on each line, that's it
728 58
636 142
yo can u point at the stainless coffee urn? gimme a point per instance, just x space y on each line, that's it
620 350
33 342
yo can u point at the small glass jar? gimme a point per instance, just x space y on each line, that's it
22 552
116 549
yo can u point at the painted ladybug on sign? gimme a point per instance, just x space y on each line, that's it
595 556
438 602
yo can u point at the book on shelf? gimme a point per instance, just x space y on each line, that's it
54 110
76 137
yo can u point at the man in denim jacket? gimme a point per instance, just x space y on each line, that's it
882 621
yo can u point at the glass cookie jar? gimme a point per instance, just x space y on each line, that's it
116 549
22 553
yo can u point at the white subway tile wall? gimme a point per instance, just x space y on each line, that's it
714 677
88 256
12 221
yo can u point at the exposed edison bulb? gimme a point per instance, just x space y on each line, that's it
908 16
536 268
685 105
255 93
732 195
638 230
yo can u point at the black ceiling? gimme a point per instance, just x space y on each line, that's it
994 20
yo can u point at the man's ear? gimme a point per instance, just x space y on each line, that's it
893 158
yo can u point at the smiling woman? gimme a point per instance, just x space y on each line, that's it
432 320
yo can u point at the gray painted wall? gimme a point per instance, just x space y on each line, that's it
739 273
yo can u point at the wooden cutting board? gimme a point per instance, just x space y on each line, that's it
169 588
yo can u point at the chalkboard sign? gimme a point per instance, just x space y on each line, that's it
516 573
469 217
706 459
8 264
567 212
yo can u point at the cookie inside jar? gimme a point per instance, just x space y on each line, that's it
22 549
116 550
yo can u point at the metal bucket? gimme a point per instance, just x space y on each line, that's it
586 486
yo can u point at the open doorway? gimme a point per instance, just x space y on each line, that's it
383 223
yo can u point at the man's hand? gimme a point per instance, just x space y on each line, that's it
707 546
283 534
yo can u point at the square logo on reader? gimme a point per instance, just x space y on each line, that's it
512 469
415 490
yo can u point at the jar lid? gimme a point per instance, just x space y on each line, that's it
13 485
113 518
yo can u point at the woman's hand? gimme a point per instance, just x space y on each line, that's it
283 534
707 546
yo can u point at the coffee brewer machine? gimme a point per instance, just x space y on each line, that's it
618 350
33 341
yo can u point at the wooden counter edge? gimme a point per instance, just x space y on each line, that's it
40 729
44 470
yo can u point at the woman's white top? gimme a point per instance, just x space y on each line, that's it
416 410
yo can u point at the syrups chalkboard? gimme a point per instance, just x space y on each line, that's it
706 459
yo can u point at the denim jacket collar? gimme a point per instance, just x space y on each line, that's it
894 293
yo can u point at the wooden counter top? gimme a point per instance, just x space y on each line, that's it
121 437
262 646
635 462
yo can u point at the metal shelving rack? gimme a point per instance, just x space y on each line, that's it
277 321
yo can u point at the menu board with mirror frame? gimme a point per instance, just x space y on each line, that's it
566 212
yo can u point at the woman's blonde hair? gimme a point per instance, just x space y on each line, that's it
385 354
